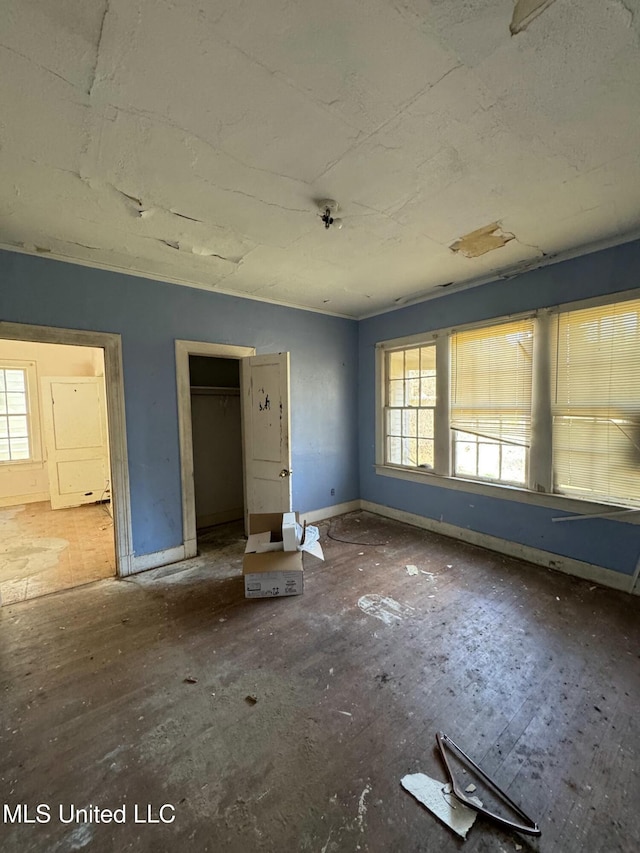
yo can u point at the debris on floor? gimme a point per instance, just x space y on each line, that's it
251 699
412 570
190 679
388 610
431 793
516 819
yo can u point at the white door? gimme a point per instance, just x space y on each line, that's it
265 417
75 432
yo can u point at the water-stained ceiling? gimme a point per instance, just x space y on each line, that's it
191 141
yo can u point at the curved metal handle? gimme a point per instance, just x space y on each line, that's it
286 472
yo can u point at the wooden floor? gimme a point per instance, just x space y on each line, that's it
44 550
135 692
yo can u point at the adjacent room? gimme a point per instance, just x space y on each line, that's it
56 526
320 426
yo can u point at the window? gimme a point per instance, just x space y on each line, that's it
491 402
15 440
548 402
596 403
410 406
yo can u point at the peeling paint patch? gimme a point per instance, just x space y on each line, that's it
482 240
184 216
172 244
130 197
525 12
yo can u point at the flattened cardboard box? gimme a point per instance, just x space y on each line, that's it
269 571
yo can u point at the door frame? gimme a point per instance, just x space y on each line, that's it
111 344
183 350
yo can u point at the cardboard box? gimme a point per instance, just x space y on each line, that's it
289 531
270 571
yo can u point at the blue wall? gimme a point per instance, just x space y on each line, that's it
332 366
613 545
150 316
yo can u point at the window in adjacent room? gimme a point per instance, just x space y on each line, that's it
15 432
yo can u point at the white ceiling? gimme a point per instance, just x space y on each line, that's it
189 141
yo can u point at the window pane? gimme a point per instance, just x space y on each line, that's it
396 392
514 463
410 422
15 380
18 426
4 450
412 362
425 423
396 365
465 458
394 451
19 448
2 383
412 392
489 461
409 451
4 428
16 403
425 452
428 391
428 360
394 422
3 404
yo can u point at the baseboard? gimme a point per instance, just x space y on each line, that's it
153 561
587 571
18 500
329 511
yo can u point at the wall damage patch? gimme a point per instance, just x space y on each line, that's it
525 12
482 240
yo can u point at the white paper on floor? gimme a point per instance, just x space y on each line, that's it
430 792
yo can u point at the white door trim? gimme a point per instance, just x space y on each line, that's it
114 386
183 350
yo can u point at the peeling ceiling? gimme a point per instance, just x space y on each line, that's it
192 142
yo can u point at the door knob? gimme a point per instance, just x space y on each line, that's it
286 472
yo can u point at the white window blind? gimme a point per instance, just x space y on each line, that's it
491 371
596 403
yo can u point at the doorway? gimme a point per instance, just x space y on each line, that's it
216 425
56 525
64 491
202 362
265 430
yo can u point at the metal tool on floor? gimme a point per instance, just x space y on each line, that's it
527 826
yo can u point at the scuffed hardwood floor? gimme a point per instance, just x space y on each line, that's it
535 674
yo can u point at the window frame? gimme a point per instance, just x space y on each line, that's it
33 413
539 488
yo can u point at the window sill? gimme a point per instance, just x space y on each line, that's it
512 493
